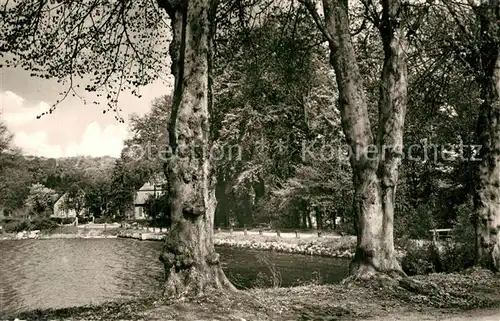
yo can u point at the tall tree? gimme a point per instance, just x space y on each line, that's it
191 263
487 200
40 200
120 45
374 158
74 199
475 39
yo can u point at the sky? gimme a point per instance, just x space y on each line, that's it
74 129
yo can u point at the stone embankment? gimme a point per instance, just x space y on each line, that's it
317 246
313 247
143 236
38 235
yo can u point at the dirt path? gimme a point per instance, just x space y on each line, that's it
476 315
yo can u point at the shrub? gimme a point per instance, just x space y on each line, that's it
269 261
420 260
17 226
453 255
43 224
63 220
101 220
39 223
84 220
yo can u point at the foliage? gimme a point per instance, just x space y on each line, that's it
38 223
17 226
63 220
74 199
273 277
98 199
115 46
453 255
41 200
270 100
157 208
147 148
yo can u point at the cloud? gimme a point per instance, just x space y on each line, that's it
95 142
16 111
47 137
36 144
99 142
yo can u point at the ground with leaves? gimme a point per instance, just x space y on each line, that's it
460 295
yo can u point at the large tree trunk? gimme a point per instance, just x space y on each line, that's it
191 264
487 193
374 174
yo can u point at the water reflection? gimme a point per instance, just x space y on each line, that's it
41 274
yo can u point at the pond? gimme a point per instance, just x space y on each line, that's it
42 274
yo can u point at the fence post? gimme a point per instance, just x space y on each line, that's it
296 234
278 232
245 231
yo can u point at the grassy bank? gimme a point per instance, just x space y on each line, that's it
442 294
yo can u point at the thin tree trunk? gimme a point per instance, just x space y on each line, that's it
374 175
222 209
191 264
487 193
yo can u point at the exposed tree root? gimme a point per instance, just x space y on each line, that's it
196 281
368 274
192 267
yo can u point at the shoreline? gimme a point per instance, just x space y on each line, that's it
328 245
442 297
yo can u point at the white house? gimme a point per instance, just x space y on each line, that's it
153 187
62 211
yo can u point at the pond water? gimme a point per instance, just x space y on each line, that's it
42 274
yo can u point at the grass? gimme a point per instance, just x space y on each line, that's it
444 293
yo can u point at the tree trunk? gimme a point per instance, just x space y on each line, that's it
374 171
191 264
319 217
309 221
487 193
222 209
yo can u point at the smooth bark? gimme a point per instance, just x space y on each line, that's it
191 264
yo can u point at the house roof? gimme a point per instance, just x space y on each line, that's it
154 184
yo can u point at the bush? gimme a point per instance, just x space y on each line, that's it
84 220
17 226
63 220
453 255
43 224
26 225
101 220
420 260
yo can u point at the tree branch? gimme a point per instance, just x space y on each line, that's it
317 19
